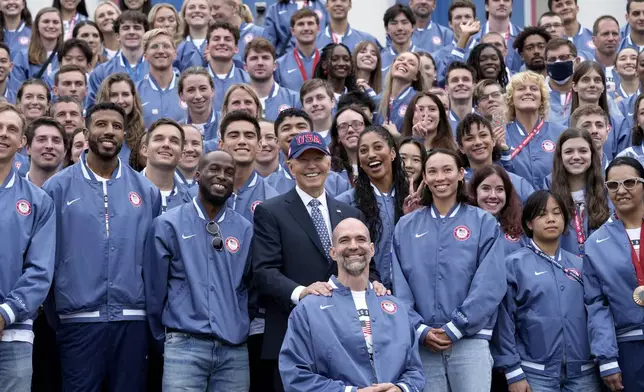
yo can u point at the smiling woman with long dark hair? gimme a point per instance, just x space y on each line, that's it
577 178
380 189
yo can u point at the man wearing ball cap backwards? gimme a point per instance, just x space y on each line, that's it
292 238
377 349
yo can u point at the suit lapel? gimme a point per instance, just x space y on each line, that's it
298 211
335 212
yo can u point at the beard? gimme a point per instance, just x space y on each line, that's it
215 200
538 68
95 147
354 267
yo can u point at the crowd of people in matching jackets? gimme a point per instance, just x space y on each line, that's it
193 202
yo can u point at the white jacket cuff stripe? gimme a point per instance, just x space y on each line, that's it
608 366
10 313
454 330
513 374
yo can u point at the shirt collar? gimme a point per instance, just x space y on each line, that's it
451 214
155 86
10 180
228 76
200 211
306 198
392 191
89 174
558 254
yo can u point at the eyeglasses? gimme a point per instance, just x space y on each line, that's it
213 229
549 26
629 184
355 124
563 57
486 97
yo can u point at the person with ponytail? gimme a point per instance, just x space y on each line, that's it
447 261
589 88
542 333
380 190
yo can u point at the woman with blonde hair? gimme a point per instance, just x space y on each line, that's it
195 17
104 17
368 64
119 88
40 61
404 79
165 16
530 138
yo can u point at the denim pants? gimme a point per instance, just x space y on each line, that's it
203 364
15 366
586 383
467 366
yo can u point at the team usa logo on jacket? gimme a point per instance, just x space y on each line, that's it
511 238
17 165
183 104
283 108
320 15
402 110
23 207
248 38
135 199
254 205
574 272
462 233
437 40
388 307
232 244
23 41
548 146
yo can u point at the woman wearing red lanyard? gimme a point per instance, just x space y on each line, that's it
577 178
613 274
589 88
72 12
404 79
529 137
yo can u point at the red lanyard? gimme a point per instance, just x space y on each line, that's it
568 100
300 64
579 228
527 140
638 260
72 23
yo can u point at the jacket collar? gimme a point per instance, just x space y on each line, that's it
202 213
335 283
89 174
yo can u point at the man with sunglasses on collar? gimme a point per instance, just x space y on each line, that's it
197 273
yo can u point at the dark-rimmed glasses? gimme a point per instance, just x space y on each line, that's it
213 229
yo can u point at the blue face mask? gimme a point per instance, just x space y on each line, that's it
560 72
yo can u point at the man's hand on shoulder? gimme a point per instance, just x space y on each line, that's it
317 288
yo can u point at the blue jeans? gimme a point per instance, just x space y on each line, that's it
15 366
586 383
196 364
467 366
